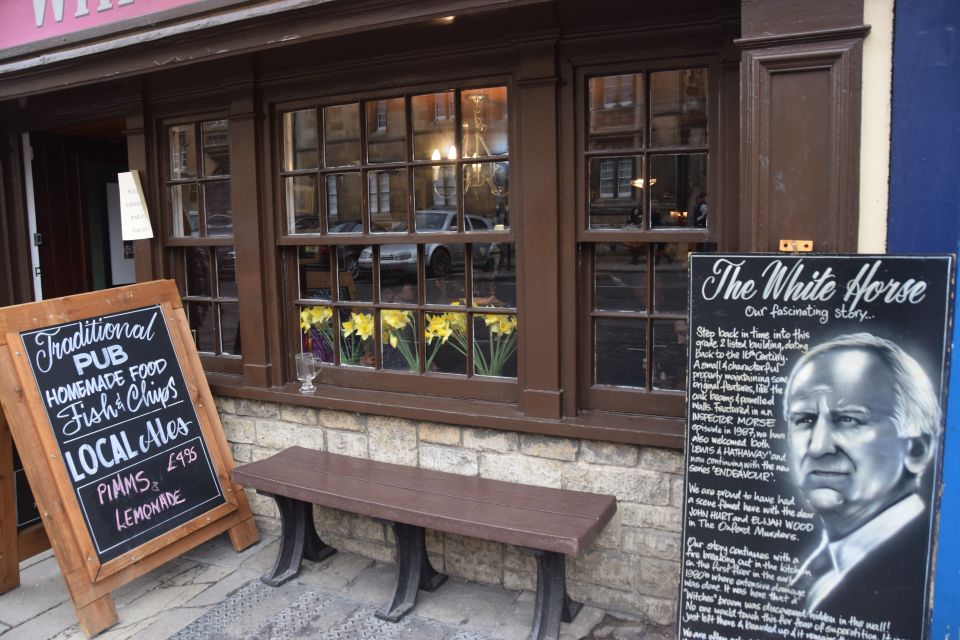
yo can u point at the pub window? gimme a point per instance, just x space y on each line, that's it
200 251
645 168
413 274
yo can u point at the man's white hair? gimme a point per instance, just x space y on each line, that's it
917 412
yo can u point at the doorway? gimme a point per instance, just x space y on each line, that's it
76 208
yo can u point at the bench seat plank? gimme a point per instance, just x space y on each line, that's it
534 517
560 501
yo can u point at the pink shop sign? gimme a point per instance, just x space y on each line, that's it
26 21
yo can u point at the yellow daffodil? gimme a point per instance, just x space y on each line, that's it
438 326
360 324
314 317
394 319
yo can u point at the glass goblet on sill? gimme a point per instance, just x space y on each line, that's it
306 371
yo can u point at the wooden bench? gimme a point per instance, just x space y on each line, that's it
548 523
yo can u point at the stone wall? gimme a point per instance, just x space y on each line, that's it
632 567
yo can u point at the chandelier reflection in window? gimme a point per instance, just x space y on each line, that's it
490 176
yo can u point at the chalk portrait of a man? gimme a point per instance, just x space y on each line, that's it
863 422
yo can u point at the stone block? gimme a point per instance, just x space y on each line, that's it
518 560
676 491
392 440
666 460
311 437
262 505
378 551
240 430
609 568
549 447
522 469
269 526
666 518
440 433
598 594
340 420
299 415
652 543
347 443
659 578
519 580
225 404
491 440
367 528
331 520
450 459
474 559
242 453
626 483
260 453
276 435
257 409
621 455
658 611
611 535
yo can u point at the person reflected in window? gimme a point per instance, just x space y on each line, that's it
700 210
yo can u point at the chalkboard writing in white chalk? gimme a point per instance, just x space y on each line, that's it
127 431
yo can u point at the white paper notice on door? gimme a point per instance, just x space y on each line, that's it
134 218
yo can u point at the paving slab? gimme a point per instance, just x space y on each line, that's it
41 588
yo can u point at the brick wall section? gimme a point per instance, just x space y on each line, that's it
632 567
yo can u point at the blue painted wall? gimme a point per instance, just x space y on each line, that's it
925 217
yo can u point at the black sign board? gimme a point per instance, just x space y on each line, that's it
127 431
814 438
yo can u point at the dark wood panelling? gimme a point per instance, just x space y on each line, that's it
775 18
800 145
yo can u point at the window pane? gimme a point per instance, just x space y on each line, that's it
300 148
197 269
218 209
344 193
485 122
494 274
616 112
446 342
434 127
316 332
300 194
435 188
313 266
620 351
620 277
341 131
678 108
226 272
183 155
398 283
681 186
495 345
670 277
399 332
387 200
356 337
670 354
200 317
616 192
353 286
444 285
216 148
185 206
386 131
230 328
486 187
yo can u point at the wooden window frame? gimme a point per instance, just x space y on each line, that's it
440 385
602 398
175 246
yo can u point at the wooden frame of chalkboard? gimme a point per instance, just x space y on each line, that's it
85 385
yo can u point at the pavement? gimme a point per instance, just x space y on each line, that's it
214 592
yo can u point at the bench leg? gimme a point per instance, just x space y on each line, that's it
415 571
553 604
298 540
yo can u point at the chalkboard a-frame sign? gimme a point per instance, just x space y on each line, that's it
118 434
